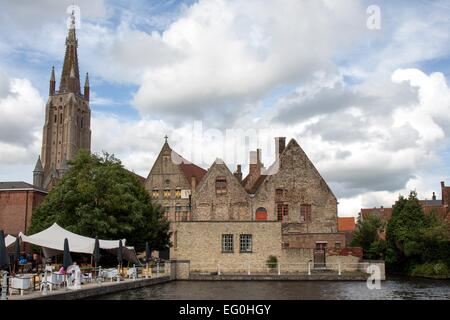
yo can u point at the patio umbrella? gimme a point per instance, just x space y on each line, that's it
67 259
119 253
96 253
4 259
16 254
148 253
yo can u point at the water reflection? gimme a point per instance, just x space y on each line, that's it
393 289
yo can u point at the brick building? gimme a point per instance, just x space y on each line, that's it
17 203
287 210
347 225
436 206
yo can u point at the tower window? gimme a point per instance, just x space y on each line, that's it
81 122
60 118
56 118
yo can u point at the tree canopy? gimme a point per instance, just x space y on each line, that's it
98 197
414 239
366 236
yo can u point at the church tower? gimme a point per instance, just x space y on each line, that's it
67 118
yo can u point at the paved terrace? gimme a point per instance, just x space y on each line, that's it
90 290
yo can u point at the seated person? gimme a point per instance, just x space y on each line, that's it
62 270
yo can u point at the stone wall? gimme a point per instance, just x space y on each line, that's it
308 240
300 183
201 244
234 204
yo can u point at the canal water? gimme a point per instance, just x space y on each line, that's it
393 289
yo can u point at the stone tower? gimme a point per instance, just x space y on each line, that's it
67 119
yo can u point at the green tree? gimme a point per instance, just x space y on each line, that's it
98 197
366 236
404 234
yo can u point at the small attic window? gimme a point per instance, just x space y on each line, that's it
221 185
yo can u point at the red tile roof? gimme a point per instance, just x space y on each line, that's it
346 224
191 170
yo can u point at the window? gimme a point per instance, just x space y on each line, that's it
282 212
60 118
56 118
175 240
81 122
155 194
245 243
261 214
166 212
227 243
221 185
166 193
305 213
337 245
178 193
279 195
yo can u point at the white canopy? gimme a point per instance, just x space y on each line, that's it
53 238
9 240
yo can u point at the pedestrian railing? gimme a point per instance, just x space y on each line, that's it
247 268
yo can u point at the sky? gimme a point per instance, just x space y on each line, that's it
365 95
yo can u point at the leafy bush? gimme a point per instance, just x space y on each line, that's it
431 270
272 262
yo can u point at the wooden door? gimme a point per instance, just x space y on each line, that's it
319 255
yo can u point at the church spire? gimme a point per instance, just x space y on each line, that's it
70 62
86 87
52 82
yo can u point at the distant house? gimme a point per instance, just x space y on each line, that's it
439 207
347 225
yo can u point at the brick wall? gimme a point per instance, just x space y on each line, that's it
16 209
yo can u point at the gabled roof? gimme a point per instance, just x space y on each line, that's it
188 168
346 224
191 170
257 183
273 168
220 162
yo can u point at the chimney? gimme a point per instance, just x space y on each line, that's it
193 183
434 196
254 169
280 144
238 173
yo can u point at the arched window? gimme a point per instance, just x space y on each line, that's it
261 214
